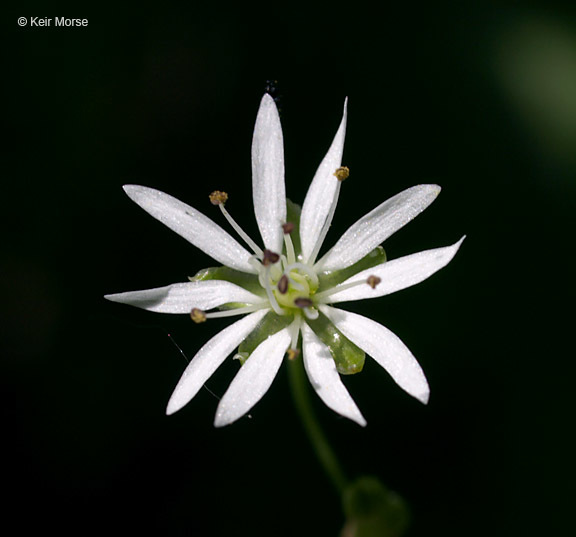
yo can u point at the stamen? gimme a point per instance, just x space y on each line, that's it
273 302
236 311
255 263
328 221
311 313
255 248
288 228
302 302
294 330
372 281
292 353
283 284
270 257
197 315
342 173
218 197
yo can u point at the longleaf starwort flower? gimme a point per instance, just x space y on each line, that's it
285 292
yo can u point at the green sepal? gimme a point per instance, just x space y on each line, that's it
333 278
293 212
268 326
348 357
243 279
372 510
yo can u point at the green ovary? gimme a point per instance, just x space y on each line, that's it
299 286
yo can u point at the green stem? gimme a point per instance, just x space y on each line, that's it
324 452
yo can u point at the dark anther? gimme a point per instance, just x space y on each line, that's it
303 302
373 281
288 228
270 258
283 284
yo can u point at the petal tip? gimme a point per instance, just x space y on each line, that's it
435 189
129 188
267 100
220 421
423 397
361 421
172 407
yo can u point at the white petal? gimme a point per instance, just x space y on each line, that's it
182 297
322 191
253 379
268 189
385 347
397 274
325 379
209 358
375 227
192 225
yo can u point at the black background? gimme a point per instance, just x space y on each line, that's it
476 97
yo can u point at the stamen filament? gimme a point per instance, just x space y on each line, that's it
290 255
311 313
273 302
236 311
324 294
294 329
325 227
257 250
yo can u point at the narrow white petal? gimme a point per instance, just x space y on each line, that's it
253 379
322 191
375 227
192 225
325 378
209 358
268 189
397 274
385 347
182 297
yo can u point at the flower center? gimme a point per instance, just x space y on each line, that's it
290 288
293 289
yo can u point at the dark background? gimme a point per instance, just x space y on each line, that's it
478 97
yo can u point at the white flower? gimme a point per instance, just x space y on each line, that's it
284 290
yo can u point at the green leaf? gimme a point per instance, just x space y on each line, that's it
372 510
333 278
348 357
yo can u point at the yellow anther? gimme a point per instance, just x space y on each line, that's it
292 353
217 197
342 173
373 281
197 315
